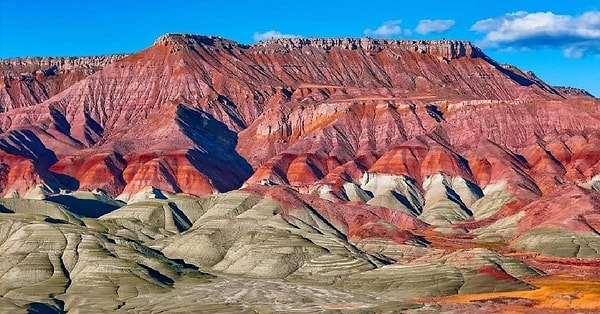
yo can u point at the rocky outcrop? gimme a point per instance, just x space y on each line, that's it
450 49
405 168
107 111
206 114
428 130
26 82
53 65
573 91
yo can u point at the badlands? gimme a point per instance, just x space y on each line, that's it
296 175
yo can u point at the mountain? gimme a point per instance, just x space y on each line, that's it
158 91
30 81
355 163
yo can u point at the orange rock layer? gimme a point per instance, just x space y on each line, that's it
200 115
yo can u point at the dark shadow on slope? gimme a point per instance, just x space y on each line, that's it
518 78
435 112
168 177
474 188
157 275
61 180
93 130
215 155
43 308
56 221
521 80
92 124
183 264
4 210
27 144
463 163
116 164
83 207
182 222
313 167
453 196
229 108
60 121
61 124
522 161
404 200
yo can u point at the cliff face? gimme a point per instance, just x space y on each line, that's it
337 156
29 81
197 114
46 64
573 92
451 49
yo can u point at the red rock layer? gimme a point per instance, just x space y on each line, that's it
571 208
305 112
29 81
172 172
356 221
103 168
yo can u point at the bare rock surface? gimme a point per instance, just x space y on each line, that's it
27 82
296 97
75 268
312 171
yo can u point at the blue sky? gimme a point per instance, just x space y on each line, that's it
557 40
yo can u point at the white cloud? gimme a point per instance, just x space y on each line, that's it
272 34
574 52
576 35
434 26
387 29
